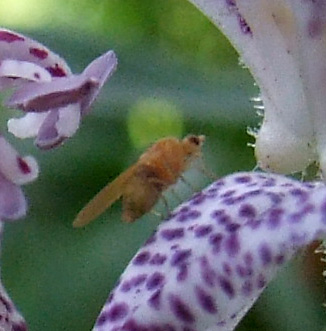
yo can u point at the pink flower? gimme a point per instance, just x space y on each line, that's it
55 99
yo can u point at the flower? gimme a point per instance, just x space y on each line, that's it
44 87
14 171
10 318
282 42
207 264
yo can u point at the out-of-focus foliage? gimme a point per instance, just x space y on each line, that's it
172 57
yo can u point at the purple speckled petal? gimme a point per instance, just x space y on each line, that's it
60 92
17 169
18 53
43 83
10 318
216 255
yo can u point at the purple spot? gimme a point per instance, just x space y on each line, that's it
276 198
207 273
227 287
221 324
23 166
125 286
254 224
248 259
261 281
232 245
212 190
184 209
172 234
269 182
203 230
110 298
297 192
245 28
36 75
56 71
155 280
193 214
227 269
297 238
117 312
232 227
39 53
6 303
247 210
274 218
183 273
243 179
141 258
19 327
150 240
180 256
198 199
241 271
280 259
229 201
231 3
206 301
131 325
315 28
308 185
217 213
297 217
253 193
10 37
215 240
155 300
265 254
137 280
246 288
227 194
181 309
219 183
158 259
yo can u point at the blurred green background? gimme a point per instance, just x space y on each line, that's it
174 68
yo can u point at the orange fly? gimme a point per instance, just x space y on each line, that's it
142 184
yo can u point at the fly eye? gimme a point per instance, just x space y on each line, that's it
194 140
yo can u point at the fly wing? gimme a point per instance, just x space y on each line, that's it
103 199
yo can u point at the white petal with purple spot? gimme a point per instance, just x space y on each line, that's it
207 264
25 70
17 169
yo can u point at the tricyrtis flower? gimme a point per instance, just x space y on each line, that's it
207 264
10 318
54 98
283 43
14 171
